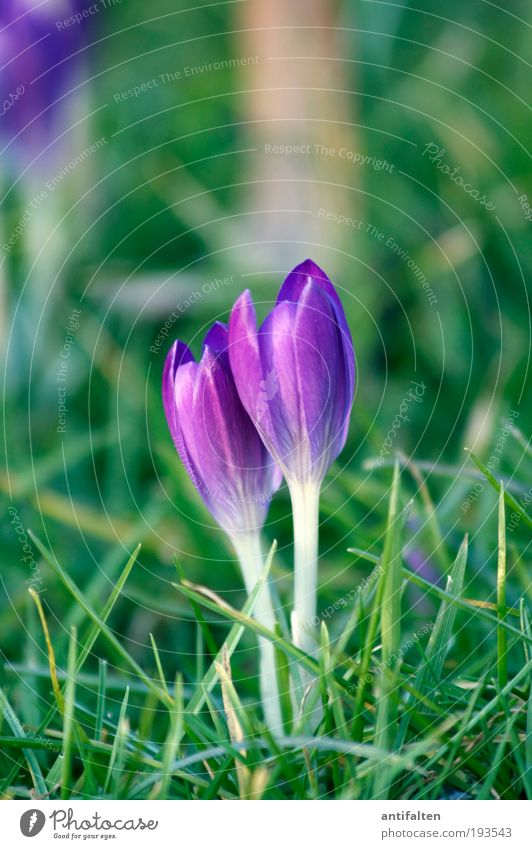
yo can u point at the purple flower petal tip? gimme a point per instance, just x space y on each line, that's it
217 337
306 272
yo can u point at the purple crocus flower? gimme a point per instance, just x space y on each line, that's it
229 466
295 376
214 436
40 47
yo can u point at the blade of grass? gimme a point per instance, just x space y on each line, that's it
68 717
51 655
91 638
282 664
202 595
158 664
235 716
173 738
440 638
438 544
431 671
53 777
100 706
121 735
215 716
502 649
509 499
365 555
199 651
528 744
371 633
28 707
335 702
525 628
40 744
198 614
390 616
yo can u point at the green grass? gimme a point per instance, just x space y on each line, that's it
110 672
402 718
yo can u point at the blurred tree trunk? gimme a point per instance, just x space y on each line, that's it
297 96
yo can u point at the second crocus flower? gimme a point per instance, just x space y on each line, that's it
229 466
295 376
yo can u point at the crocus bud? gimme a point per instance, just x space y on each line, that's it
295 374
215 438
231 469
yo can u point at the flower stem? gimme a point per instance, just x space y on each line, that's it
248 549
305 509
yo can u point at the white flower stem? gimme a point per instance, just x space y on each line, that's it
248 549
305 509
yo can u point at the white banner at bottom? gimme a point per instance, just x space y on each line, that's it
255 825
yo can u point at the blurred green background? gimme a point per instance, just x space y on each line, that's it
232 140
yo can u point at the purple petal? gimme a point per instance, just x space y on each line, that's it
323 376
279 400
178 360
178 355
301 350
246 363
185 391
294 284
215 437
217 337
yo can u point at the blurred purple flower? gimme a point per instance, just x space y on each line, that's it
214 436
295 375
40 59
421 565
